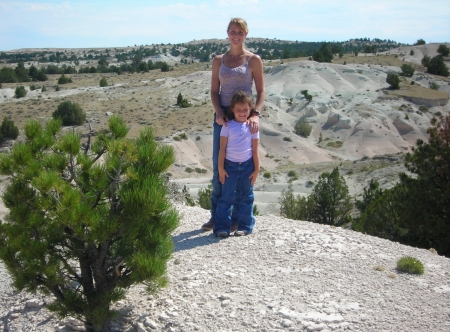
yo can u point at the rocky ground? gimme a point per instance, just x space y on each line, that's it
287 276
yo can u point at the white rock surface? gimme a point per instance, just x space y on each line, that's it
286 276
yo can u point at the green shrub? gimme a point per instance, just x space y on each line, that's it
411 265
176 138
183 136
423 108
438 67
8 129
307 96
57 88
83 232
200 170
443 50
165 67
20 92
287 139
32 87
393 80
267 175
411 52
43 89
64 80
198 138
188 170
426 61
71 114
204 197
103 82
434 85
302 127
182 102
292 174
407 70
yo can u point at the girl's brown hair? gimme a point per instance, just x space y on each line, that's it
241 97
240 22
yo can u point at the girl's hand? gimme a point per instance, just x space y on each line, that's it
253 177
222 176
253 123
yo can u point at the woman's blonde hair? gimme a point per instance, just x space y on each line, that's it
240 22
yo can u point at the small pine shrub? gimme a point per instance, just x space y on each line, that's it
393 80
103 82
71 114
20 92
198 138
57 88
183 136
423 108
32 87
267 175
292 174
200 170
176 138
8 129
204 197
411 265
64 79
43 89
434 86
188 170
302 127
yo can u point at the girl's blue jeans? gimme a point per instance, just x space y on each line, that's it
216 185
238 192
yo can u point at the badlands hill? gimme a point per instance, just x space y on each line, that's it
365 127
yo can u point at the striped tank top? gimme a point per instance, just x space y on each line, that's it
233 80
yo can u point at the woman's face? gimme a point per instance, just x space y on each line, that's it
235 34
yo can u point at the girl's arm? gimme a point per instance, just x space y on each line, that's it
215 89
255 155
223 147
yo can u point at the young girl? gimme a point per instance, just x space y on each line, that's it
238 169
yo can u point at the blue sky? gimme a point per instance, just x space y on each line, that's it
81 23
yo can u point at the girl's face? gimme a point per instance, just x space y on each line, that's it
241 112
235 34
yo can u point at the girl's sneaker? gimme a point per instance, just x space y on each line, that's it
240 233
222 235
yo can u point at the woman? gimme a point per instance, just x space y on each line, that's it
236 70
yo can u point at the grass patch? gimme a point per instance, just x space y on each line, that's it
336 144
410 265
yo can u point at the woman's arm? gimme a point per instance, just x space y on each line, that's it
221 165
215 89
255 155
256 65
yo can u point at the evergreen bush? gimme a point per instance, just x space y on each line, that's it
86 231
410 265
8 129
103 82
20 92
71 114
302 127
393 80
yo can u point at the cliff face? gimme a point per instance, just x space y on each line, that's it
427 102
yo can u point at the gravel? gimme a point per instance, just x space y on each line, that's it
286 276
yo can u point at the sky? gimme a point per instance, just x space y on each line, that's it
112 23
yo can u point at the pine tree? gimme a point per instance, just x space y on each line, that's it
332 204
85 224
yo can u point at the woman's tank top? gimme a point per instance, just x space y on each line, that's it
233 80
